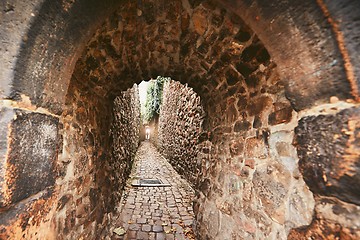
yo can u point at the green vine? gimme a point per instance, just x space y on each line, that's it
154 99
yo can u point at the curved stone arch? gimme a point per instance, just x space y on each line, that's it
41 63
53 38
314 41
53 43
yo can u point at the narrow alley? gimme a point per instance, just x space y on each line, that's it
161 211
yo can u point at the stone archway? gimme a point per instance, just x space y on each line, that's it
70 65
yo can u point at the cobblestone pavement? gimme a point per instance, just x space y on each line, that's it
155 212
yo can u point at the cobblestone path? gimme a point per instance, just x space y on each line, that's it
155 212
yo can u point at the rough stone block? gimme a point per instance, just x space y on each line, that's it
258 105
236 147
255 147
270 185
27 165
200 21
280 116
30 211
329 154
333 219
242 126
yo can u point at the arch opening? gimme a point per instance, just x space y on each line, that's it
226 64
246 170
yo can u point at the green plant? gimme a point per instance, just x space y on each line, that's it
154 98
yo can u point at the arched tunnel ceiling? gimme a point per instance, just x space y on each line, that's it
205 46
313 43
303 46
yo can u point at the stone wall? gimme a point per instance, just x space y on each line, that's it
125 132
180 121
329 162
99 144
85 188
250 185
246 146
81 187
28 192
154 131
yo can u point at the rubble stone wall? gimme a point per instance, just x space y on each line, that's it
90 148
239 156
252 64
179 127
100 141
125 132
250 185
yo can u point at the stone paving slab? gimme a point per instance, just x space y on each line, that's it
155 212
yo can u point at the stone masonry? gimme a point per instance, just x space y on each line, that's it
244 170
125 133
101 168
81 188
277 154
179 127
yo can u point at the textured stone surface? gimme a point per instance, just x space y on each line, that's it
228 65
100 141
43 42
125 133
31 157
14 26
90 160
249 175
70 26
329 153
6 116
296 33
333 219
180 121
245 173
29 213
